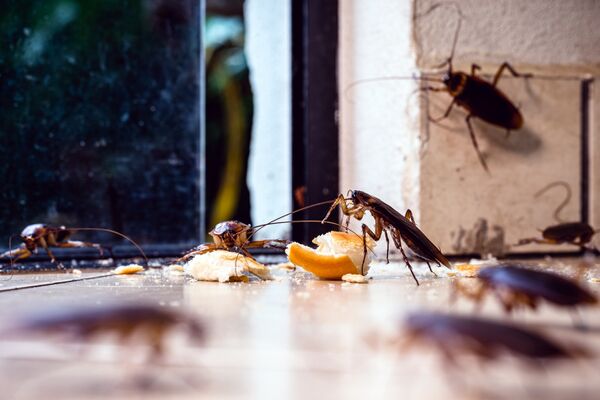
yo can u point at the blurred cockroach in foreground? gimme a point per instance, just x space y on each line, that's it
480 98
150 325
575 233
44 236
455 336
517 286
401 228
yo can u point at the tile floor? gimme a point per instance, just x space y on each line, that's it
295 337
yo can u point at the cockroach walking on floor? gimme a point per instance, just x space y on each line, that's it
455 336
516 286
402 228
575 233
147 323
45 236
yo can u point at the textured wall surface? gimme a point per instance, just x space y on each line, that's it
390 148
537 33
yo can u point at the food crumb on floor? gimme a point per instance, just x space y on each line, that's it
355 278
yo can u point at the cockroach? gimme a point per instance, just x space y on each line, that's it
575 233
125 321
516 286
45 236
387 219
456 335
480 98
233 236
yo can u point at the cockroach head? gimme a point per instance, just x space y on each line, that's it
232 227
452 81
359 197
29 242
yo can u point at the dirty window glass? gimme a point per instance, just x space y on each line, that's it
99 117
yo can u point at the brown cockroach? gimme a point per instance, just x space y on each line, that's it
233 236
575 233
125 321
480 98
45 236
516 286
455 335
402 228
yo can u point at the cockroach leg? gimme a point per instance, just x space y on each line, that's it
205 248
76 243
474 69
407 263
341 201
504 66
374 235
268 243
445 115
387 252
429 266
475 144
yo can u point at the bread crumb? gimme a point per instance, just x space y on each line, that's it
128 269
225 266
286 266
175 268
76 272
355 278
466 270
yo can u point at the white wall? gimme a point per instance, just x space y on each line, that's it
379 126
268 48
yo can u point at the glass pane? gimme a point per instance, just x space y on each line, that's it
99 117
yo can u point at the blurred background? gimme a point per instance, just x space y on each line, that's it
102 118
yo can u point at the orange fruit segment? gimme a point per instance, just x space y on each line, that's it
325 266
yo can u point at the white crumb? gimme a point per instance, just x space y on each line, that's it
225 266
128 269
355 278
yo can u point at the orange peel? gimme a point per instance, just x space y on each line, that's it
337 255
